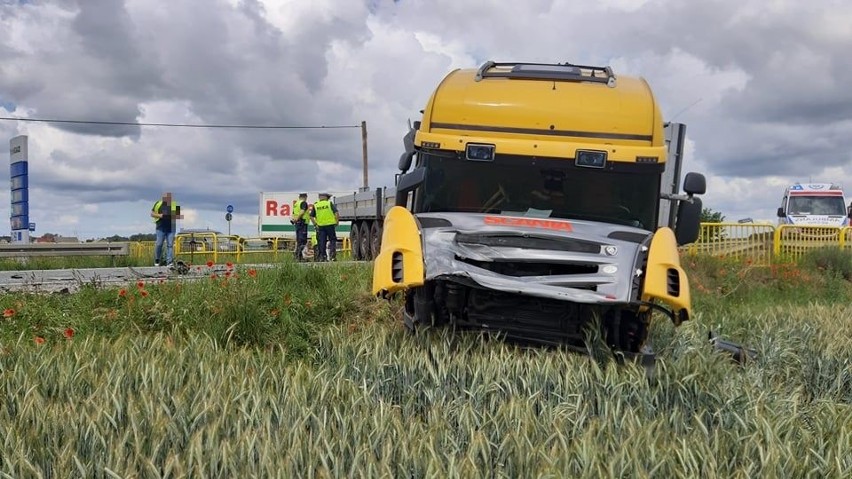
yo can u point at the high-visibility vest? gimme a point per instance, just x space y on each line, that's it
324 213
298 213
156 208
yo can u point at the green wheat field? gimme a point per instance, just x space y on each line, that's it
299 372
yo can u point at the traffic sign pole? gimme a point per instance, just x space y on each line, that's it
229 209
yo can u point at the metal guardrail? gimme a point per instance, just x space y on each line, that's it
215 247
63 249
764 243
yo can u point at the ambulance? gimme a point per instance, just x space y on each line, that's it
814 204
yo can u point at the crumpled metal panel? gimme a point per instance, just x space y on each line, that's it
582 245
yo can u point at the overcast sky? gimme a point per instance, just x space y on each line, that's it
763 86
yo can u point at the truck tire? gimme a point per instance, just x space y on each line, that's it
355 241
376 238
419 310
364 233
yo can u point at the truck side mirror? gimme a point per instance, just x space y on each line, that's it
688 221
780 212
408 143
405 161
694 184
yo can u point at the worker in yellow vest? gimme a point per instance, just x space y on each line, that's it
299 217
325 217
165 214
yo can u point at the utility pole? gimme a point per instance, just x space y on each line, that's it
366 184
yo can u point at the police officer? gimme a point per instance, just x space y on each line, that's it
300 216
325 217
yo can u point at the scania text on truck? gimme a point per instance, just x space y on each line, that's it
533 206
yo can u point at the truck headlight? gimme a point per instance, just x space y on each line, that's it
479 152
590 158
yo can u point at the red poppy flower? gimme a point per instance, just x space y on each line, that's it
143 293
69 333
209 264
39 340
252 273
140 284
227 274
229 265
122 292
213 276
8 313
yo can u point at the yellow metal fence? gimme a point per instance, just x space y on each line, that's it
208 246
765 243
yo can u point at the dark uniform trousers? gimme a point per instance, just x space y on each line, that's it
301 238
326 234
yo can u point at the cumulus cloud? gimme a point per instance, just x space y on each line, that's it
759 84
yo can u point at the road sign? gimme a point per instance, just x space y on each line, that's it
228 216
32 226
230 209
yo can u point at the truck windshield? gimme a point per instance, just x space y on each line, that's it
817 205
552 188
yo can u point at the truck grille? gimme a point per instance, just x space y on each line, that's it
530 242
522 268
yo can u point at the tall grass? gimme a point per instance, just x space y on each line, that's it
378 402
204 381
285 305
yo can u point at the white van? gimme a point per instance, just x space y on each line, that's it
814 204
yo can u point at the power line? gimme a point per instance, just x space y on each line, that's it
181 125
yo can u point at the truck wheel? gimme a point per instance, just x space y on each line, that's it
364 233
376 238
355 241
419 308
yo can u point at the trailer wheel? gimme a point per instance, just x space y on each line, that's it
355 241
364 233
376 238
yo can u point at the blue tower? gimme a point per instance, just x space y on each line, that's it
19 185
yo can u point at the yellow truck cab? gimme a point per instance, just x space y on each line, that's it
529 202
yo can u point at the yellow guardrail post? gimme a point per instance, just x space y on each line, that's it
776 240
